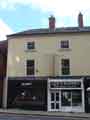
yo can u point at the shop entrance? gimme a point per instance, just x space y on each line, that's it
55 100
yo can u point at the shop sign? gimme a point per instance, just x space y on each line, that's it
26 84
65 84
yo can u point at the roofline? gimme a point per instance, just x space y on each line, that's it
61 31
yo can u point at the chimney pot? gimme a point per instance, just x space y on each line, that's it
80 20
52 23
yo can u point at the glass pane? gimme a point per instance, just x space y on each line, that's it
30 67
65 63
57 105
65 44
66 98
65 71
30 45
52 96
57 96
30 63
76 98
52 106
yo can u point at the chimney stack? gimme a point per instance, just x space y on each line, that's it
52 23
80 20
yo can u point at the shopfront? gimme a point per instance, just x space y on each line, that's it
27 94
65 95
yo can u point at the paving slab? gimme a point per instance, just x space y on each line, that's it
44 113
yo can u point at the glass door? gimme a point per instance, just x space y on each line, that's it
55 100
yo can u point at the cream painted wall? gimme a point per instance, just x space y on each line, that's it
47 54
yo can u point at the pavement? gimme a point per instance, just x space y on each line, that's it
45 113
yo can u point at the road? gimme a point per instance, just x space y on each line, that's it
31 117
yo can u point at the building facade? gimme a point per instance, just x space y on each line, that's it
3 65
55 62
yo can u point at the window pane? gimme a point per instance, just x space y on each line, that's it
30 45
57 105
76 98
65 71
65 63
52 106
57 96
52 96
65 98
65 44
30 62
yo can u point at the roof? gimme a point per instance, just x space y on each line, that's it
47 31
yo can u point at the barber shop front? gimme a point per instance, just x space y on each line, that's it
66 95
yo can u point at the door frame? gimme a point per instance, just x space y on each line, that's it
55 101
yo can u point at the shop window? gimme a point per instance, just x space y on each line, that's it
65 98
30 67
65 66
71 98
76 98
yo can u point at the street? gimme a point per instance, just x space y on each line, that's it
34 117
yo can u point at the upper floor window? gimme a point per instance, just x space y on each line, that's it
30 67
65 44
30 45
65 66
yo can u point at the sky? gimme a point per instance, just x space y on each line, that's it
19 15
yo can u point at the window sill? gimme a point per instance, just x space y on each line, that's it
31 50
64 49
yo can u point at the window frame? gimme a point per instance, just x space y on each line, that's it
32 45
65 69
32 68
64 44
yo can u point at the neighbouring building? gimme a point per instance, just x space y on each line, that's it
49 69
3 64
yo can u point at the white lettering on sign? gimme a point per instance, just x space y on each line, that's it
26 84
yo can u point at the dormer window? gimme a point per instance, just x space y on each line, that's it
65 44
30 45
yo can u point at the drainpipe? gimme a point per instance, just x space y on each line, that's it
53 65
5 88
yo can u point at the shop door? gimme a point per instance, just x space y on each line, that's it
55 100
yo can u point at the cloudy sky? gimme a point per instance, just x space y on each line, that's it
18 15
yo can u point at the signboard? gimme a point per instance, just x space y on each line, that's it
26 84
65 84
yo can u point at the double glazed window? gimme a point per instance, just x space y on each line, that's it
65 44
30 67
65 66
